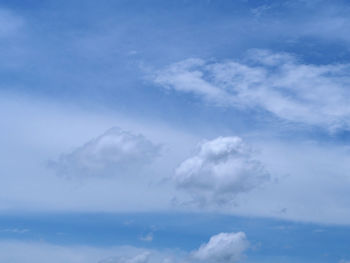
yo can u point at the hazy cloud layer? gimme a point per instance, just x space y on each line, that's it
221 169
278 83
297 163
110 154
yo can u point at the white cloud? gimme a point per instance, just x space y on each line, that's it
275 82
221 169
114 152
223 248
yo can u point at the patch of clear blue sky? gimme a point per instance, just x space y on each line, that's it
270 239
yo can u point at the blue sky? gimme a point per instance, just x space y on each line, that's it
174 131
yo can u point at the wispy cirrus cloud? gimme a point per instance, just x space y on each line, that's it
278 83
14 230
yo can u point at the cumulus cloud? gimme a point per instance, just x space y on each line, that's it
221 169
114 152
278 83
223 247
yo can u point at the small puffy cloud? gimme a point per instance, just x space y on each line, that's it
278 83
223 248
114 152
147 238
221 169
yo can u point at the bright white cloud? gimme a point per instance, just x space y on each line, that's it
275 82
223 248
221 169
114 152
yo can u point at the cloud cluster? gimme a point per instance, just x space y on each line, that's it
221 169
277 83
114 152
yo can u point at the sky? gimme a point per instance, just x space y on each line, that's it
203 131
